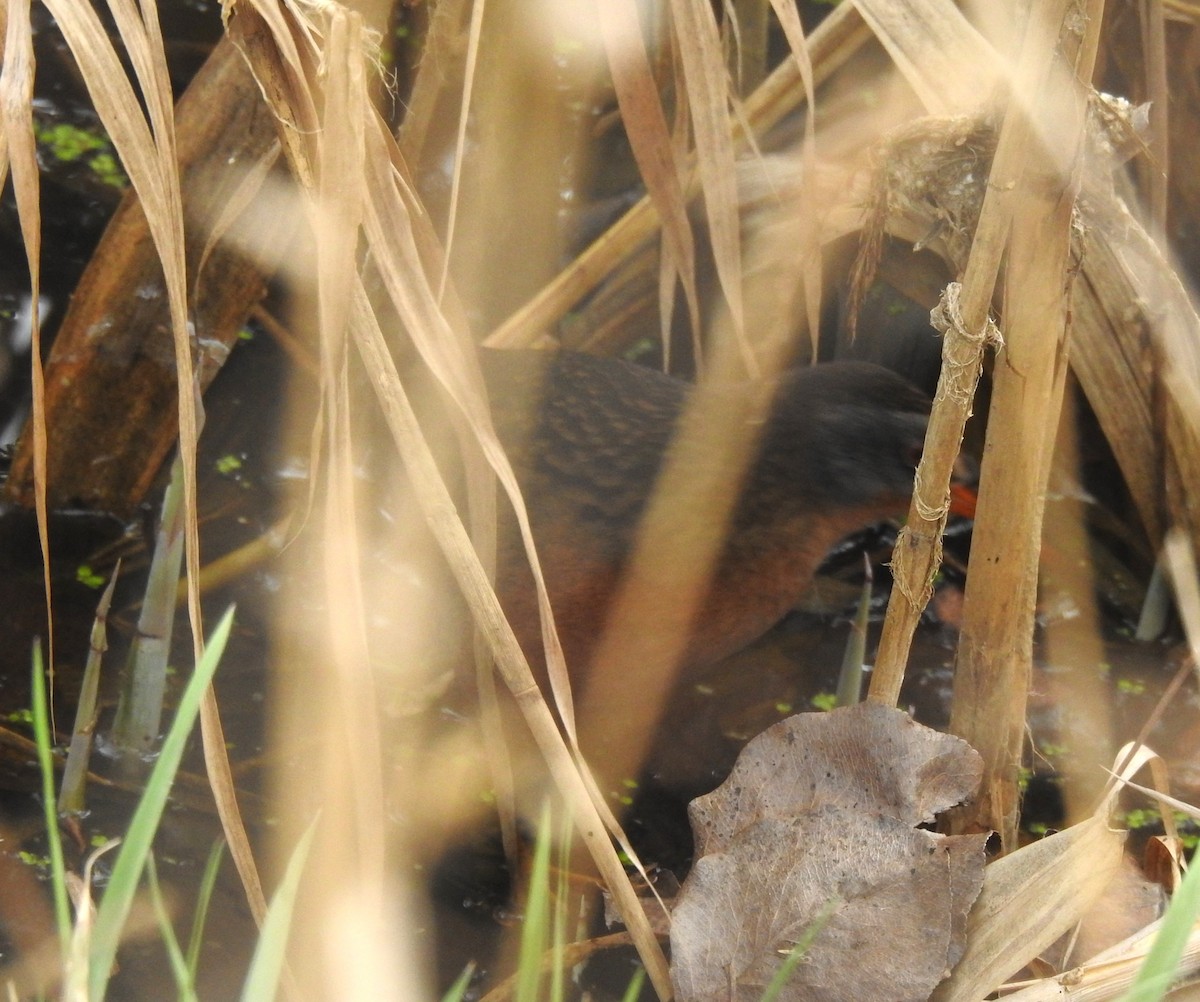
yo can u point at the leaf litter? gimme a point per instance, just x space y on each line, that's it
824 809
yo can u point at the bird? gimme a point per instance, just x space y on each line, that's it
588 437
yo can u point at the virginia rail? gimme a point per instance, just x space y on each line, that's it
588 437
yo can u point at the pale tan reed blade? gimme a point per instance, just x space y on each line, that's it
829 47
391 226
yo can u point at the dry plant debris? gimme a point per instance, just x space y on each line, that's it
824 808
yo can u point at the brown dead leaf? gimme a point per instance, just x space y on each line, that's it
822 808
864 758
1162 862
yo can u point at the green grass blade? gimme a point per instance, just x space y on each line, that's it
45 752
1158 971
797 952
457 990
262 980
535 930
203 897
849 691
559 915
179 969
122 885
634 988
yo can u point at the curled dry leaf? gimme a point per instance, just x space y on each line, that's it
823 808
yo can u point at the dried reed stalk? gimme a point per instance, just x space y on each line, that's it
996 646
942 55
18 151
830 46
918 550
1074 644
1110 974
964 317
1138 361
1130 314
652 144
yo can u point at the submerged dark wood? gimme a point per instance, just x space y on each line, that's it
110 377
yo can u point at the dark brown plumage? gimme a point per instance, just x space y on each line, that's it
588 437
